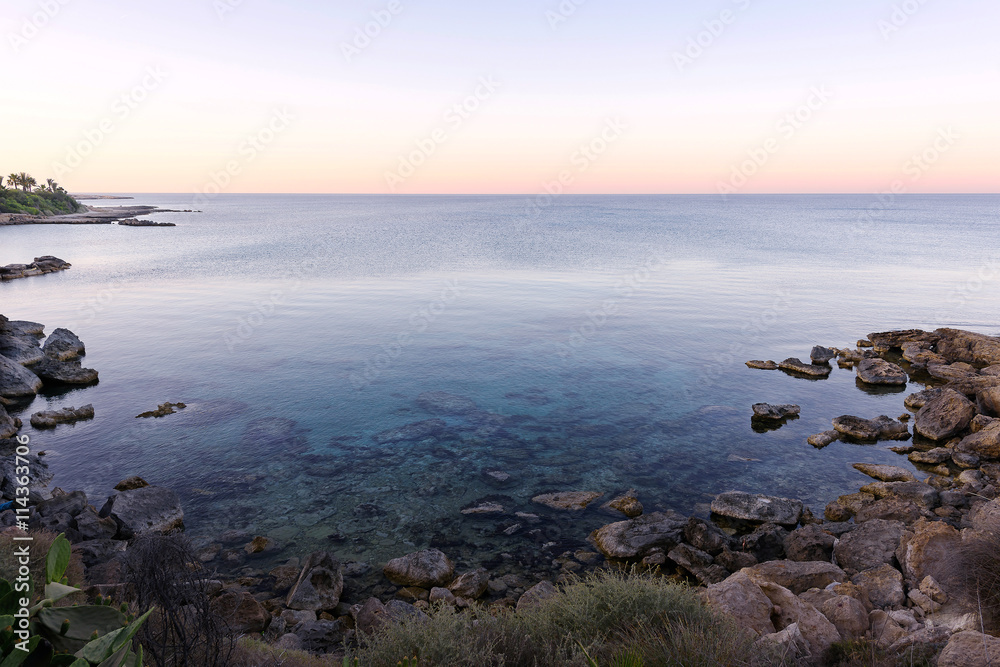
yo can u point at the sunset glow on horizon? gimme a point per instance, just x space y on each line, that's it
577 96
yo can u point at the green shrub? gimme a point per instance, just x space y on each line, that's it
609 618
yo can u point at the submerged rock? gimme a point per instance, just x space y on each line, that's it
161 410
627 503
881 372
758 507
49 419
443 403
567 500
414 431
821 440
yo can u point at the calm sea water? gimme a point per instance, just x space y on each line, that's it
602 340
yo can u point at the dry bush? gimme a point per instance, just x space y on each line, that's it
254 653
977 567
162 571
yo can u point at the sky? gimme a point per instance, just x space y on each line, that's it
518 96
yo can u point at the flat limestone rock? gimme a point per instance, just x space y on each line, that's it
885 473
794 365
871 430
881 372
567 500
762 365
758 507
821 440
944 416
635 538
985 444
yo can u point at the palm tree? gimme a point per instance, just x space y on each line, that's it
51 185
27 181
12 180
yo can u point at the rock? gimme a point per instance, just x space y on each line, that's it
885 473
797 577
162 410
809 543
847 615
288 642
8 427
766 542
320 636
758 507
426 569
880 372
794 365
21 350
734 561
567 500
535 595
52 372
814 626
132 222
971 387
890 429
705 536
970 649
627 503
989 402
918 400
443 403
742 599
924 495
944 416
822 355
928 551
763 365
698 564
891 340
883 585
921 600
16 381
985 444
241 612
130 483
925 636
885 629
991 371
868 430
871 544
789 643
471 585
319 585
151 509
91 526
259 545
370 616
66 503
635 538
483 507
63 345
768 412
954 371
889 509
931 457
49 419
441 595
821 440
414 431
99 551
972 348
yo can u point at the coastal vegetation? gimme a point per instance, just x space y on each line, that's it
21 193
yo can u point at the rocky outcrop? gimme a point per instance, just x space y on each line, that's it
970 649
868 546
425 569
53 372
151 509
758 507
16 381
133 222
638 537
881 372
38 267
51 418
63 345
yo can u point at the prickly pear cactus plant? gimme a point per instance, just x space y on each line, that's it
78 636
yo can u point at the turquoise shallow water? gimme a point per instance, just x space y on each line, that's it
602 340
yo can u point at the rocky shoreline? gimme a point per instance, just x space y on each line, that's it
880 564
93 215
39 266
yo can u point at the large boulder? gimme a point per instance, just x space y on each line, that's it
797 576
972 348
985 444
16 381
471 585
53 372
63 345
740 597
847 614
637 537
944 416
23 350
883 585
152 509
870 430
535 595
8 427
319 585
970 649
871 544
920 493
758 507
881 372
989 402
929 549
814 626
241 612
809 543
425 569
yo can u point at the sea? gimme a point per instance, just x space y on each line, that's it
357 370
